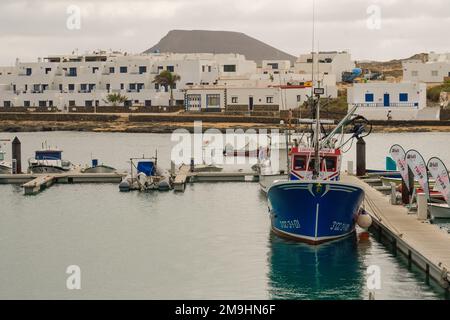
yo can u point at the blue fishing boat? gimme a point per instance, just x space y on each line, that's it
313 205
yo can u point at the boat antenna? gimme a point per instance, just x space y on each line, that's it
317 131
312 47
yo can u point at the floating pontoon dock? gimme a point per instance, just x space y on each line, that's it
185 175
421 242
34 183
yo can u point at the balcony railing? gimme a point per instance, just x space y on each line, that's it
391 105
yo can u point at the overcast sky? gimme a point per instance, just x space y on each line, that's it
36 28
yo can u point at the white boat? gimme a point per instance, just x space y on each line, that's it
48 160
5 167
439 210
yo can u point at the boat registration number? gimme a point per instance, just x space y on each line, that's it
339 226
290 224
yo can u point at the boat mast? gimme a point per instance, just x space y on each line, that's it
316 173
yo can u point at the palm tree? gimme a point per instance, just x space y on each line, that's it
115 98
167 79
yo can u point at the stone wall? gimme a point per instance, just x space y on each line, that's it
120 109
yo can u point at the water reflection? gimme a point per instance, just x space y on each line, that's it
329 271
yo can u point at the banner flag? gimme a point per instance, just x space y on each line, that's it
439 172
398 154
418 166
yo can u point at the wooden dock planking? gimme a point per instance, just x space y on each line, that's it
34 183
181 178
424 243
38 184
184 174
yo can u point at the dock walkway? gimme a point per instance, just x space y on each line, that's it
185 175
423 243
34 183
181 178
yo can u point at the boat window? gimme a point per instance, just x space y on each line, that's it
330 164
300 163
312 164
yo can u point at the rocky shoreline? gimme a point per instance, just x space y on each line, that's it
169 127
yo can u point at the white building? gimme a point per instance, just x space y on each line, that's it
86 80
435 70
69 81
334 63
245 99
403 101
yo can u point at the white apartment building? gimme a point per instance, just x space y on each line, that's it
69 81
247 99
86 80
327 63
402 101
435 70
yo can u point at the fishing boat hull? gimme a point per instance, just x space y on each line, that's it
314 211
439 211
99 169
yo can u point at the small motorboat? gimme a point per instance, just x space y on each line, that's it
246 152
439 210
148 177
5 167
98 168
387 180
384 173
48 160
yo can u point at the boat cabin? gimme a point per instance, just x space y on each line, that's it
303 164
48 155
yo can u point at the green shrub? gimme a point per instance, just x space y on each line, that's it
434 93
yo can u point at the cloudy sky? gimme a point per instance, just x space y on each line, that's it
370 29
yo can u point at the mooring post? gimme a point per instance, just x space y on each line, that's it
393 193
17 156
172 168
422 207
350 168
361 157
407 193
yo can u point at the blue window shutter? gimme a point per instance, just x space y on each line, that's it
369 97
403 97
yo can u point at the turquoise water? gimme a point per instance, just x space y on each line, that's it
211 242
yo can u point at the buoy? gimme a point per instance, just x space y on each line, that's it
364 219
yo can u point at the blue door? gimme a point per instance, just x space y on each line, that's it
387 100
